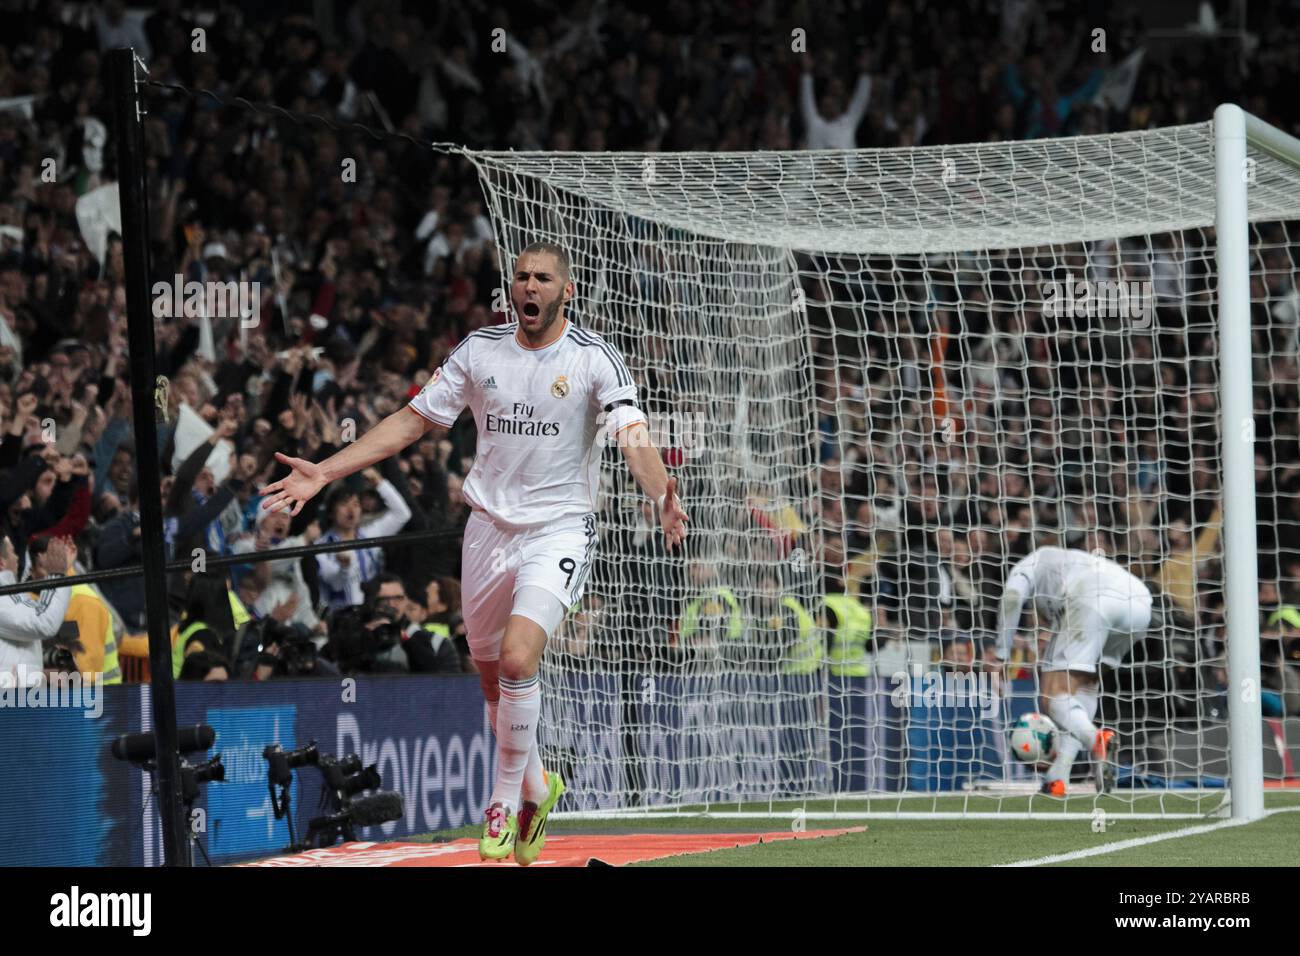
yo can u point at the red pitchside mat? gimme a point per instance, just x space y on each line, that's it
611 849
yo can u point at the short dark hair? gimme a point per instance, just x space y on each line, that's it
208 600
339 494
550 248
198 665
449 591
371 588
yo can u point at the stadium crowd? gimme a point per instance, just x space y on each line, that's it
367 280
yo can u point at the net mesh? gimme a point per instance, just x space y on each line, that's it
892 373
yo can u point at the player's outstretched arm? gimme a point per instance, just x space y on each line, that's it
648 469
383 441
1009 610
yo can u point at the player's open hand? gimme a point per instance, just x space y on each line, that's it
673 516
295 489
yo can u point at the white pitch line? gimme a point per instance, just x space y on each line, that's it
1119 845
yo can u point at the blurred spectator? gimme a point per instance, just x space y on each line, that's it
774 627
88 618
211 617
115 28
118 546
27 621
343 573
280 588
443 620
713 621
959 654
830 123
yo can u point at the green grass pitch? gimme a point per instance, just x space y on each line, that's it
887 841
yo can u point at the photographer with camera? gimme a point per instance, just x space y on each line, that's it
427 642
383 635
283 650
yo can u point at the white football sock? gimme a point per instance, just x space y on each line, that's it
1074 714
519 708
1071 715
535 789
1067 748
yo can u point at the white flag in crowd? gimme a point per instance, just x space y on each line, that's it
1117 87
99 212
192 431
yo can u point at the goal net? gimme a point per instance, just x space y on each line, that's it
889 374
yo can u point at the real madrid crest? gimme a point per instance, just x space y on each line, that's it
437 374
560 387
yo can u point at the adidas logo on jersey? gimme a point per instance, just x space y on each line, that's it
489 382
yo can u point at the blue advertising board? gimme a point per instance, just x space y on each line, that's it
64 800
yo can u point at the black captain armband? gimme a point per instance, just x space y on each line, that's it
622 401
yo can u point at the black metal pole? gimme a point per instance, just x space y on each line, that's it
127 111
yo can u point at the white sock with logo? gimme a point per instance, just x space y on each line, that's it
517 714
535 789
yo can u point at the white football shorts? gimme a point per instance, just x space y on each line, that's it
496 562
1100 622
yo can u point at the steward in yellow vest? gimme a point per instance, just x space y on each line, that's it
849 624
98 657
809 648
715 613
238 613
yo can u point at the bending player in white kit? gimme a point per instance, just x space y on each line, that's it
536 388
1099 610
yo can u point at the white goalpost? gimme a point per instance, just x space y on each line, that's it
1236 135
887 375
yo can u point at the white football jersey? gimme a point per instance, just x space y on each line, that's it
538 411
1050 576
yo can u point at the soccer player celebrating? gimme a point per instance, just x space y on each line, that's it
1098 611
537 388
